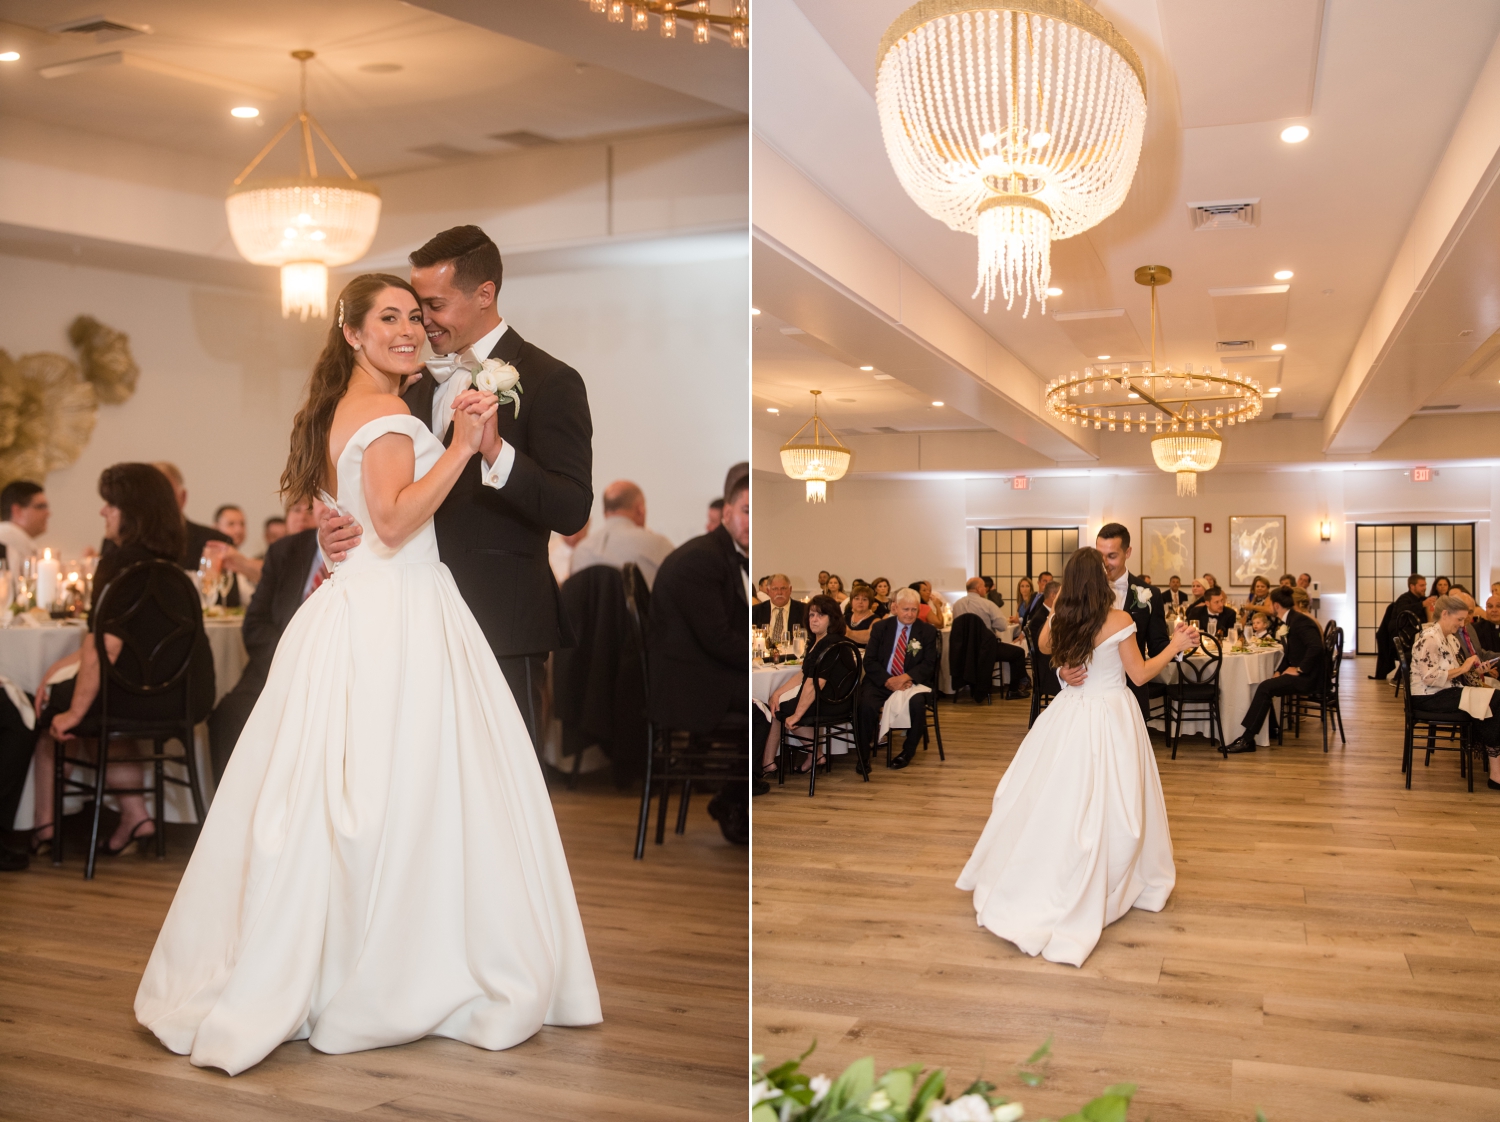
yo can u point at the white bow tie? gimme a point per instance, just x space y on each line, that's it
443 367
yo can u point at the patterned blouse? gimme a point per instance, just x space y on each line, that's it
1433 656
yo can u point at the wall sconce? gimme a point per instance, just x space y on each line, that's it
1325 530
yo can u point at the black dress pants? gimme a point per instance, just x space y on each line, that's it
1266 692
1015 657
527 675
872 700
228 719
1487 731
17 743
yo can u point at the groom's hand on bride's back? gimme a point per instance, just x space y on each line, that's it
1073 675
337 533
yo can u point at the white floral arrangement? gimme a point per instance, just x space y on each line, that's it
501 379
1281 631
1142 594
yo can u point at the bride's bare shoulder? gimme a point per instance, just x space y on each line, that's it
357 410
1114 623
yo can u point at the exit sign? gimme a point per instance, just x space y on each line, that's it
1421 475
1020 483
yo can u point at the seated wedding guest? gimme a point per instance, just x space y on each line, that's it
196 536
923 589
17 743
761 595
1288 581
1146 579
1494 600
1440 668
882 587
938 601
143 522
1478 637
230 520
560 550
1196 595
822 580
1300 670
780 613
1260 624
1025 602
272 531
790 703
1441 586
715 515
1174 596
1041 665
1042 580
973 602
24 507
860 614
1260 594
835 588
293 570
623 536
1304 582
1301 601
1213 616
1413 600
902 652
991 593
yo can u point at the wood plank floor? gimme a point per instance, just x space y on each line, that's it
1331 950
668 937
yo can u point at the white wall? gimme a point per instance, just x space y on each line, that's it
663 350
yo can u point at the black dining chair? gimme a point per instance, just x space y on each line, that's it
1197 686
1323 703
1043 679
154 610
1408 624
1444 730
833 717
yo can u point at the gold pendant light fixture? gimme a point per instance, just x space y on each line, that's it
695 13
812 459
1188 409
303 223
1019 121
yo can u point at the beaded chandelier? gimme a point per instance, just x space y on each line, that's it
668 13
813 461
1018 121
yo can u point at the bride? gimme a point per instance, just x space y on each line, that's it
381 862
1077 835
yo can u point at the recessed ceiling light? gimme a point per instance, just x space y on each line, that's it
244 111
1295 134
1054 292
773 410
867 368
938 404
1273 391
1103 358
755 311
1282 274
1133 396
1278 346
10 56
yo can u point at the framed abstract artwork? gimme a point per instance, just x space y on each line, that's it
1167 549
1257 548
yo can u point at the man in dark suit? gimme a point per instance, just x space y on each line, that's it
1213 608
902 651
1300 671
292 570
533 473
197 535
1174 594
781 613
1041 664
1414 599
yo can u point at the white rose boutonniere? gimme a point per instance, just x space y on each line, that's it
914 646
1281 631
501 379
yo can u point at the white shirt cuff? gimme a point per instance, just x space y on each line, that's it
498 474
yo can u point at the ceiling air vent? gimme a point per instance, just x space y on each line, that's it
442 151
1436 408
103 30
1235 346
1282 416
1231 214
523 138
886 429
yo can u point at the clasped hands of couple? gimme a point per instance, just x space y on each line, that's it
475 428
1184 638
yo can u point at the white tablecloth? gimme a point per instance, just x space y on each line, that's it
945 679
1238 677
766 680
25 654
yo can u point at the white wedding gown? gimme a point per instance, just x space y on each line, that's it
1077 835
381 862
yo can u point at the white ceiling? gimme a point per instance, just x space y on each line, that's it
1380 83
389 79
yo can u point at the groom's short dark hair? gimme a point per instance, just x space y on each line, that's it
1113 531
475 258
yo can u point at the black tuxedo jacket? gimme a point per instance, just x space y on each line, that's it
495 542
277 598
1304 649
1227 618
699 644
1178 598
920 664
796 614
1150 617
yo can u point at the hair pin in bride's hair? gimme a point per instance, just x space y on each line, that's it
341 313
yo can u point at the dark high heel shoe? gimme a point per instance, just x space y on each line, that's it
135 838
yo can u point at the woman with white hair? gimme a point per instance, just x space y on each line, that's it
1440 668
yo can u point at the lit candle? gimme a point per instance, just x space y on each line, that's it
48 572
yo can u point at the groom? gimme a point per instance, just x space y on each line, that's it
533 473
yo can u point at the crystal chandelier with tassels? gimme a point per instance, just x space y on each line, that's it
812 460
1019 121
1188 408
695 13
303 223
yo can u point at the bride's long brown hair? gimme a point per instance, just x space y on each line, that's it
1081 609
307 464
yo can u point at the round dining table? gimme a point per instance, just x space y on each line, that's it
27 652
1238 677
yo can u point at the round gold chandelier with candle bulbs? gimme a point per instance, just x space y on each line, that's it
1184 411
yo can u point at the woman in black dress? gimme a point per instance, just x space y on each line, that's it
790 703
860 614
142 521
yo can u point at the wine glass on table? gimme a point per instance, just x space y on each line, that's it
207 580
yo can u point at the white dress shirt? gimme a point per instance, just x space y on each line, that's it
981 606
494 475
619 540
19 545
1122 589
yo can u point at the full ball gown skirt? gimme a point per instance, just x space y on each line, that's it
1077 835
381 862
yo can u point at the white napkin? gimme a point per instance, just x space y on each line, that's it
1476 701
22 703
896 713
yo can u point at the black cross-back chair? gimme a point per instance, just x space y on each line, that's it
930 719
1040 699
1197 685
1408 624
1443 730
154 610
1324 704
832 719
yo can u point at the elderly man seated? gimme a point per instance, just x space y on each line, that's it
975 602
902 652
623 535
